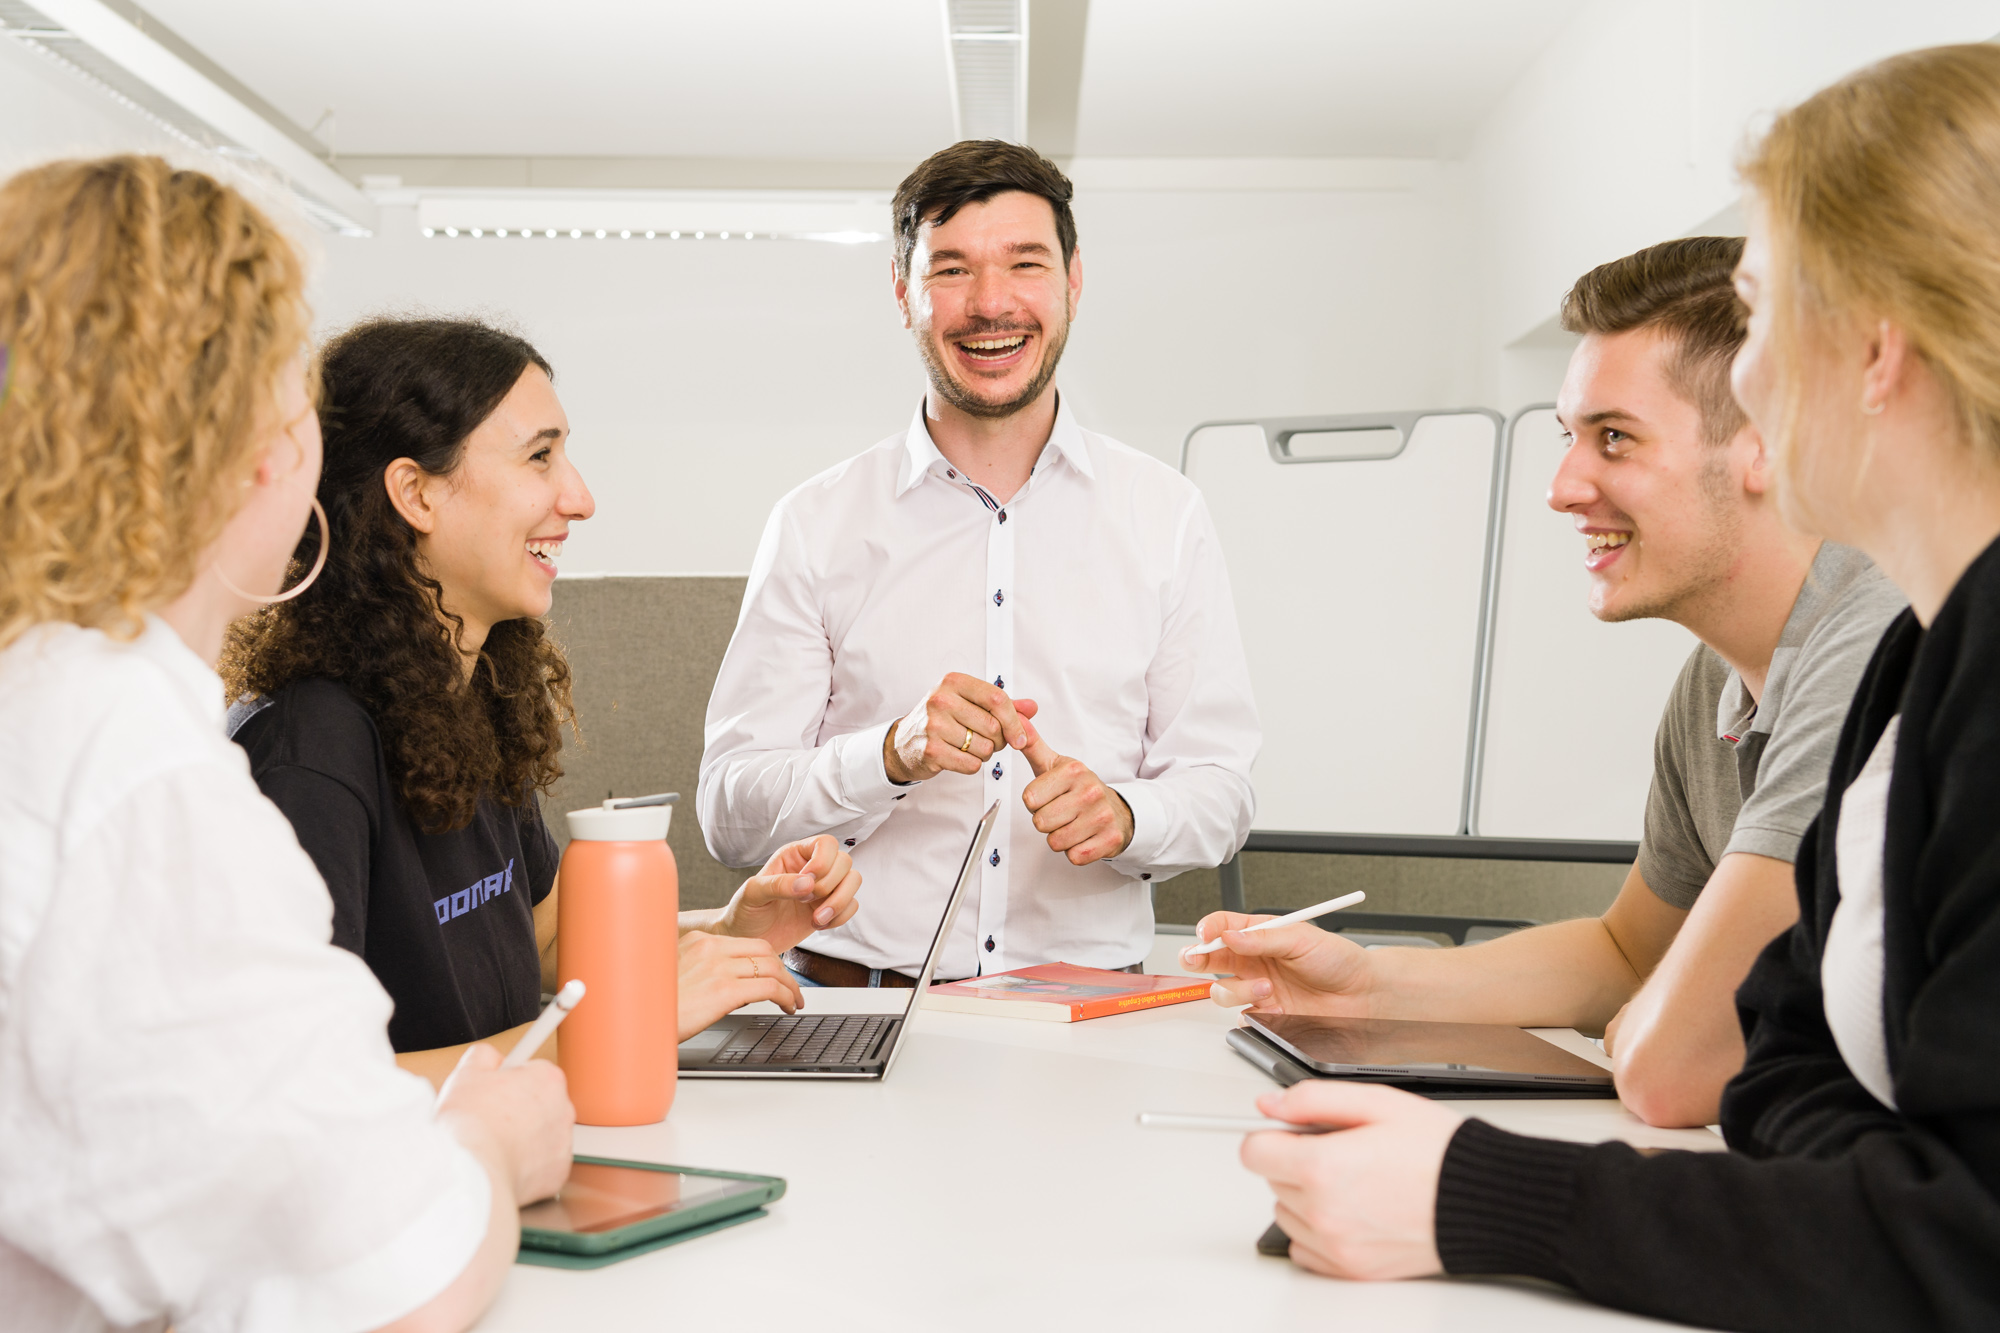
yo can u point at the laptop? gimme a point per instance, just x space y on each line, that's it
842 1046
1434 1059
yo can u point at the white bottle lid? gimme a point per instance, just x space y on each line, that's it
637 819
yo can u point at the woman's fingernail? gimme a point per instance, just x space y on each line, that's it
822 916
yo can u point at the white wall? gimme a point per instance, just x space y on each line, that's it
1625 132
704 380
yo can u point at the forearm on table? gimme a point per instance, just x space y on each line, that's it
436 1064
1569 974
460 1304
1681 1040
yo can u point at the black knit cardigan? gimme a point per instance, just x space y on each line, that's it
1830 1211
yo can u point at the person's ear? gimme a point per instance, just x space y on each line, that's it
1886 363
1075 279
409 491
899 282
1757 469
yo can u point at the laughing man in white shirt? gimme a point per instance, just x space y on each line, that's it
911 609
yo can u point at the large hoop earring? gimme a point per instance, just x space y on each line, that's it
325 540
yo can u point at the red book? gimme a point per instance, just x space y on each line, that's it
1063 993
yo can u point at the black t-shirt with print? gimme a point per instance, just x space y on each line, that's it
445 920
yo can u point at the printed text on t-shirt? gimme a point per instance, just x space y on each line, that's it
458 904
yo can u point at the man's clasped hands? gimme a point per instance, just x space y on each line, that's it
811 885
963 723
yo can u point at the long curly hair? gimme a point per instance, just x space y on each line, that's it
375 621
149 314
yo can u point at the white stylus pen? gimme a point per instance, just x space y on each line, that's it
1303 914
531 1040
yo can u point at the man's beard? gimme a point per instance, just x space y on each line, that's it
960 397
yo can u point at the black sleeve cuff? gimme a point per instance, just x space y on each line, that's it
1504 1202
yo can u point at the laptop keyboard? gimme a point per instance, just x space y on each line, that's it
805 1039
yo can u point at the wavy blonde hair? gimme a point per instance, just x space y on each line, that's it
1881 196
148 314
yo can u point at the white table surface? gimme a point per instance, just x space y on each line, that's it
996 1180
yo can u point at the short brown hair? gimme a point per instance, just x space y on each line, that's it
971 172
148 314
1682 289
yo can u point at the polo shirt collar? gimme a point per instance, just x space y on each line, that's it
1832 570
921 456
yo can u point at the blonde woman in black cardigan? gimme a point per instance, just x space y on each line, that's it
1862 1189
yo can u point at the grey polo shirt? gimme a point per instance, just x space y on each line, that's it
1732 775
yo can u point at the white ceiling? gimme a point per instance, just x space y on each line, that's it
771 79
863 79
1302 78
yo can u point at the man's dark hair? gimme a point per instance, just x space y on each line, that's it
1681 288
971 172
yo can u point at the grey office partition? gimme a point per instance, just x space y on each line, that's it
1572 703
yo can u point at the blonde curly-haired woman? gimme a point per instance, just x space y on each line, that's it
201 1122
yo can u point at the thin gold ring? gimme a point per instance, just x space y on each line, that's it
968 740
756 973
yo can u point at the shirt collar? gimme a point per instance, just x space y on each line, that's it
921 456
1832 570
162 645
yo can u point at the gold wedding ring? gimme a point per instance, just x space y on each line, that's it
756 973
968 740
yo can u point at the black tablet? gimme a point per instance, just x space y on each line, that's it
1437 1059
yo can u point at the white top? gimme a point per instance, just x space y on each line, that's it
1098 591
1850 971
201 1121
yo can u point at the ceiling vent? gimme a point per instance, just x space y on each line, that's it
131 58
989 68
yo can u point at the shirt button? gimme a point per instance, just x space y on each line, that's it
995 858
989 944
949 473
850 841
997 771
1148 875
1000 681
1003 516
999 597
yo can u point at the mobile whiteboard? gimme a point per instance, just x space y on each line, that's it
1573 702
1358 550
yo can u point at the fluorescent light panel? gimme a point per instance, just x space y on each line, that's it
989 68
772 215
152 77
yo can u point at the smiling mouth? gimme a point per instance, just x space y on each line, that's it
1599 547
992 349
546 553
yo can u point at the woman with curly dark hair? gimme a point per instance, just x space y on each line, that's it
405 712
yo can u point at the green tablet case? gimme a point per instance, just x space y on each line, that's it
565 1249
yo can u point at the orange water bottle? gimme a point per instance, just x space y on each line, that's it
617 930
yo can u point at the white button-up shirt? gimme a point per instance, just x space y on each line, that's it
1098 591
201 1122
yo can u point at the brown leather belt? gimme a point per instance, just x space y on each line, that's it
825 971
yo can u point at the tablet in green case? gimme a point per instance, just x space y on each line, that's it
611 1210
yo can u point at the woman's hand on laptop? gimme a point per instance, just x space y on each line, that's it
720 974
809 885
1295 969
1360 1203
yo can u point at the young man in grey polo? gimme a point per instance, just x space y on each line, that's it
1666 482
